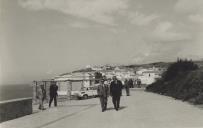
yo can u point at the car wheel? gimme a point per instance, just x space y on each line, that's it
85 96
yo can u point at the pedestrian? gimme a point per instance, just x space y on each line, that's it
41 95
116 92
102 92
53 93
139 83
127 87
130 83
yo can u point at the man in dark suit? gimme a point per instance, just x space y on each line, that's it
115 92
53 93
103 92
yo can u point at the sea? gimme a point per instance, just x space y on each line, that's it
15 91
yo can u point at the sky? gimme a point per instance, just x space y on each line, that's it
43 38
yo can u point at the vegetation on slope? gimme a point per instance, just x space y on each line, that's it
182 80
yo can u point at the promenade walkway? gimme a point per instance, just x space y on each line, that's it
140 110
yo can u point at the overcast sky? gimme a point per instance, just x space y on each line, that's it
42 38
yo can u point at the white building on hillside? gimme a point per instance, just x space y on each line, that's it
148 76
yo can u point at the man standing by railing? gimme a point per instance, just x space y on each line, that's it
53 93
41 95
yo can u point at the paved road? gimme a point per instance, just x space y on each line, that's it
140 110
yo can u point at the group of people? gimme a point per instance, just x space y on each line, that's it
41 95
115 91
103 91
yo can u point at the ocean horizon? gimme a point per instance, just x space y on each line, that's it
15 91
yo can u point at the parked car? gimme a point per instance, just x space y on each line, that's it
85 92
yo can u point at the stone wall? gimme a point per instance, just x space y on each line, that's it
11 109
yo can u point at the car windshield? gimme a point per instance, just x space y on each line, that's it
84 89
94 88
88 88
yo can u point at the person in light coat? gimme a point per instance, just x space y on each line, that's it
103 92
41 95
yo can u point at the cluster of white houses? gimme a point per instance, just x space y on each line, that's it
74 81
150 75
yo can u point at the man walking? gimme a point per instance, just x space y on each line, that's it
102 92
127 87
53 93
138 83
116 91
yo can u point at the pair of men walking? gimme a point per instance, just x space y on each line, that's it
115 92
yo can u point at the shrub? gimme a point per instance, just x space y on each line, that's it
182 80
181 66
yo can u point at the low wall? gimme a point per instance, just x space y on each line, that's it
11 109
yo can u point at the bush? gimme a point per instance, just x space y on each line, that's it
181 66
182 81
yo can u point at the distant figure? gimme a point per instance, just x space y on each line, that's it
41 95
102 92
116 92
130 83
127 87
53 93
139 83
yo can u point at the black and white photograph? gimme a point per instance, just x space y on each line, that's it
101 63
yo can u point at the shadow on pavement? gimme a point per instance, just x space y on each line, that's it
108 109
81 105
121 108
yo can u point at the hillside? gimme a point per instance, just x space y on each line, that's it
156 64
184 85
136 66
